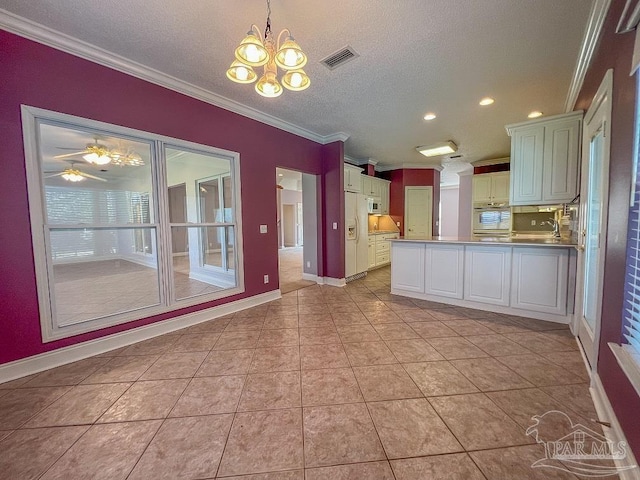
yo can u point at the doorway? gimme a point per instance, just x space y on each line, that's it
418 212
594 194
291 226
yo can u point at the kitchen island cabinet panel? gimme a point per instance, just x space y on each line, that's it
487 274
540 280
444 270
407 267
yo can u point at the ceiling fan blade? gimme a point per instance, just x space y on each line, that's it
54 175
70 154
93 177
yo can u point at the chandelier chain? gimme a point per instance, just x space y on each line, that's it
267 29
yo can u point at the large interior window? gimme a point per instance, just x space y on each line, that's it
126 224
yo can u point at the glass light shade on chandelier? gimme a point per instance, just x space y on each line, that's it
72 175
97 158
254 52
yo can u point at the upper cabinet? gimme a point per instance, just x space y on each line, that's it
545 157
491 188
372 186
352 179
384 196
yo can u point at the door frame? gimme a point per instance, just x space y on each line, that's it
430 190
600 110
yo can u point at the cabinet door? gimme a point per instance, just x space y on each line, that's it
481 188
372 254
384 198
352 180
407 266
366 185
539 280
561 152
500 187
487 274
375 187
527 155
444 270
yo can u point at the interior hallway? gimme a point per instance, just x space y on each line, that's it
290 268
336 382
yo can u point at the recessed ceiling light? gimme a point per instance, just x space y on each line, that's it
430 116
535 114
281 175
436 149
486 101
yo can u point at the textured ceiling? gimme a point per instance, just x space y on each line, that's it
416 56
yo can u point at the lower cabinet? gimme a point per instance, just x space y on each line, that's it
407 267
372 252
380 249
539 280
524 281
487 274
444 270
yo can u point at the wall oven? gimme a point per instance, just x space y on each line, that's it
492 221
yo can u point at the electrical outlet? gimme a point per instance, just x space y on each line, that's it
335 225
308 264
263 229
266 279
533 223
398 224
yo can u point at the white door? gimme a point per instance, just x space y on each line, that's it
418 210
594 195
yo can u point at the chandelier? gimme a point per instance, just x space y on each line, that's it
254 52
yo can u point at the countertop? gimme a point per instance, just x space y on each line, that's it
525 242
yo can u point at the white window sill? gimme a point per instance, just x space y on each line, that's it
629 361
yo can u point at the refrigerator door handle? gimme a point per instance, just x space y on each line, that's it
357 229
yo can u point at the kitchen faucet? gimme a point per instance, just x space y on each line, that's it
556 226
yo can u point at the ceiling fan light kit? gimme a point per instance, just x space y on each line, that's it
254 52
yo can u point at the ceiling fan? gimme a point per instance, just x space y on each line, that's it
99 154
72 174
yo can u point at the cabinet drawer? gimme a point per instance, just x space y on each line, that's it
389 236
383 246
372 240
382 258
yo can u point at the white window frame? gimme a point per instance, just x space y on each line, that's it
51 331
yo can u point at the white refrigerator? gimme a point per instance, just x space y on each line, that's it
356 234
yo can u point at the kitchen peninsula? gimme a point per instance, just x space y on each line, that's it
526 277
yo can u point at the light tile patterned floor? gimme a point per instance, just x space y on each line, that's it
326 383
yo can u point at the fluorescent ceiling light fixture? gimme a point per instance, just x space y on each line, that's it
535 114
430 116
438 149
486 101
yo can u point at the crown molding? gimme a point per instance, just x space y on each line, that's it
592 32
60 41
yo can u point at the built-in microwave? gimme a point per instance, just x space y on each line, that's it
488 220
373 205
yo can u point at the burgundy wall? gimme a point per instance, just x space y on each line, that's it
37 75
615 51
412 177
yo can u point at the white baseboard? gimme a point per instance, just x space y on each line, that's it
311 277
62 356
334 282
615 433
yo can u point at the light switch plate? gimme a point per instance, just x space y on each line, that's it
263 229
335 225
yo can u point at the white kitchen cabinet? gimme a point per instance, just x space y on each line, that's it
491 188
545 156
381 246
384 196
407 267
372 251
444 270
352 179
366 185
371 186
539 280
487 274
